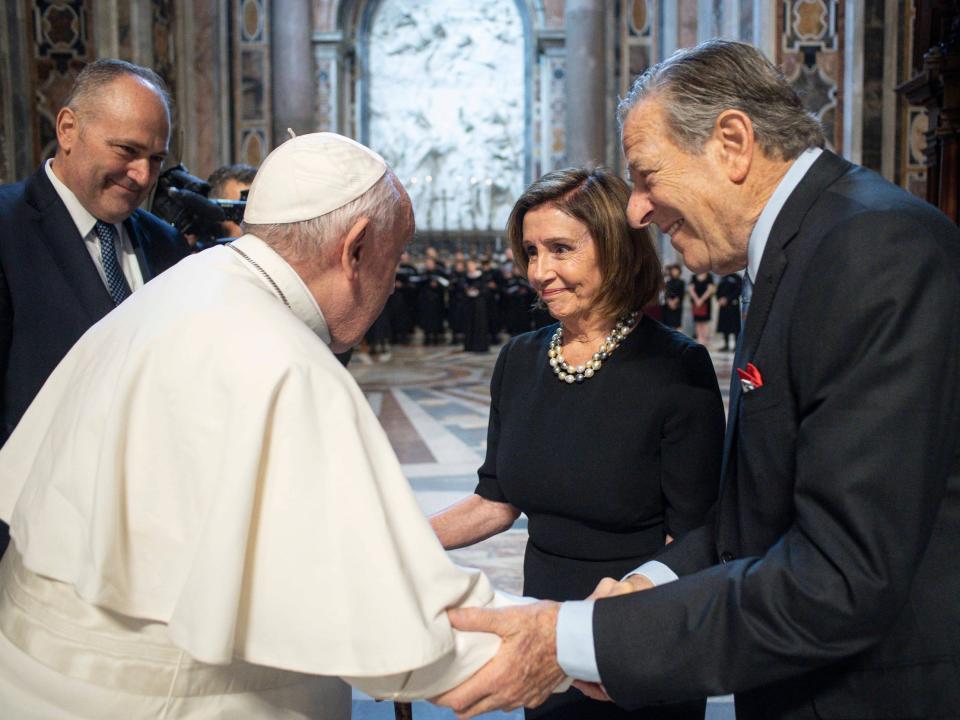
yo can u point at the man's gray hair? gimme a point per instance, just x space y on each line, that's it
695 85
300 241
97 75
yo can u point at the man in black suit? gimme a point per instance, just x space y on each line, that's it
826 583
73 243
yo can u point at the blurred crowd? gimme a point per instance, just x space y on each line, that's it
455 299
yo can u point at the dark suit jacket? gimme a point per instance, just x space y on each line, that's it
50 290
832 556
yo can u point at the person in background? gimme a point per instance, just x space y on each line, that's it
494 295
474 309
728 312
606 427
456 300
519 298
701 289
673 292
228 183
403 302
431 302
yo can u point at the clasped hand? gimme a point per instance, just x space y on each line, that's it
524 671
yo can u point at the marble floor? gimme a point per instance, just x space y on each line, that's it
433 403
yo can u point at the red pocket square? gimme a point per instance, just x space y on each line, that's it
750 379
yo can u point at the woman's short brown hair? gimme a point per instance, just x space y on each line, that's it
629 267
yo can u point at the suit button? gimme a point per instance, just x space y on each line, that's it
726 557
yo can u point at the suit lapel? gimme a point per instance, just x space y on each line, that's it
58 232
132 224
824 171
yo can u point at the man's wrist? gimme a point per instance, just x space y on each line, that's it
655 572
575 651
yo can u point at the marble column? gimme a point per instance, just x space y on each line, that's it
292 68
586 115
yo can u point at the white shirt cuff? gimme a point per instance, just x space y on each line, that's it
655 572
575 651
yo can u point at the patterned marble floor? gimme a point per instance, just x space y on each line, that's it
433 403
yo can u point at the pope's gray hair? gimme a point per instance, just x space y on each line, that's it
695 85
301 241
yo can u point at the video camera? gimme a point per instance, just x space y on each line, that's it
181 199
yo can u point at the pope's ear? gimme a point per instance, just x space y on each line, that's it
354 246
734 131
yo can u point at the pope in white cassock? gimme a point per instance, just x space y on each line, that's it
207 519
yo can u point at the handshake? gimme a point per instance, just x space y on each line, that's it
525 671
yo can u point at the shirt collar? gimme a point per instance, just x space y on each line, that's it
298 296
78 213
761 231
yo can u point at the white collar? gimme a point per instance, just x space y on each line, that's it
761 231
298 298
78 213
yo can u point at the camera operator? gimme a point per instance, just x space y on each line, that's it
73 243
228 183
197 210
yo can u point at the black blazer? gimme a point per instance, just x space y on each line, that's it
50 289
832 556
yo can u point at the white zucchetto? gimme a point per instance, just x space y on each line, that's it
309 176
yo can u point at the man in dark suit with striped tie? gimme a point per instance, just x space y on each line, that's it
73 243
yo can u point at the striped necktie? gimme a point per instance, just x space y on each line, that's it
116 282
745 293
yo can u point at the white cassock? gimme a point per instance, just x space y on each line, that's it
209 521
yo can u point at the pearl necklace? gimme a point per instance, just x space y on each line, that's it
570 374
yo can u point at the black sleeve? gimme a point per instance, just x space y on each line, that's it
876 380
692 444
488 487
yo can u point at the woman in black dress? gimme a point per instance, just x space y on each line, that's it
701 289
672 310
605 428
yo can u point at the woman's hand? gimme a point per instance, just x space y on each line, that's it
593 690
608 587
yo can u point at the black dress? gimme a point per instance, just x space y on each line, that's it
702 313
431 306
673 302
728 316
518 299
476 323
605 469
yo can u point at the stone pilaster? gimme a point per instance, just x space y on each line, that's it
291 57
586 78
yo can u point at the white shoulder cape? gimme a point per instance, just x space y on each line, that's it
200 458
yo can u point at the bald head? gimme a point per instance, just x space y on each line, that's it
91 85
